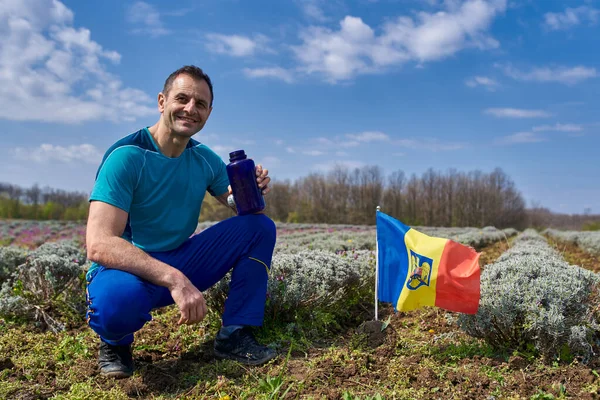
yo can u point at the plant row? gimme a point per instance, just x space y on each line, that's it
534 301
587 240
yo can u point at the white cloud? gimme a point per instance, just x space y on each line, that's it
325 141
369 136
489 83
290 150
270 161
273 72
53 72
279 142
313 10
313 153
428 144
146 19
571 17
47 152
326 167
521 137
356 48
565 75
219 148
236 45
516 113
558 128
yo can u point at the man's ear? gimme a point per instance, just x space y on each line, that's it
161 102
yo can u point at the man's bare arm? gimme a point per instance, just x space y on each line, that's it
105 246
223 200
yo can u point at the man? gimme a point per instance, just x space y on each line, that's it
143 209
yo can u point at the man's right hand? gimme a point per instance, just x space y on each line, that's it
190 301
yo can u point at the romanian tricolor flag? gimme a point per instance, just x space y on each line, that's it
416 270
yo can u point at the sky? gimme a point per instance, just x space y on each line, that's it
303 85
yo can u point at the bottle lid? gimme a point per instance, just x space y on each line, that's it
237 155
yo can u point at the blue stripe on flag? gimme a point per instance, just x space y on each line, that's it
392 257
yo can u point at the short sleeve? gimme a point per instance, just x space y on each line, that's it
220 181
117 177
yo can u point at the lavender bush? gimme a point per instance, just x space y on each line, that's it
48 288
310 283
531 297
10 258
589 241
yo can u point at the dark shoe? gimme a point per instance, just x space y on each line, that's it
243 347
115 361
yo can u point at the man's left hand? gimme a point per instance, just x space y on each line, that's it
263 179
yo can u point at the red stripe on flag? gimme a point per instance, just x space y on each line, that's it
458 279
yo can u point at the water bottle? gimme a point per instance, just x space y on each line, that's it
247 195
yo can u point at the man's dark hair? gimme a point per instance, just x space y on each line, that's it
192 71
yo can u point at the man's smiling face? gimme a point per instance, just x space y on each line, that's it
186 105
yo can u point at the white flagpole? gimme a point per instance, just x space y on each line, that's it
376 264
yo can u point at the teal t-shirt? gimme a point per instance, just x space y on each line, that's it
162 195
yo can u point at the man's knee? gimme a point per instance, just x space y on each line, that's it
117 306
262 224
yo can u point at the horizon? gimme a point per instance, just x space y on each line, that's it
301 85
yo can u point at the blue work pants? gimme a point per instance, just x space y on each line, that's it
119 303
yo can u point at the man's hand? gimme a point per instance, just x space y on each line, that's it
190 301
263 179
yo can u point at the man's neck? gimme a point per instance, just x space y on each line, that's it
169 144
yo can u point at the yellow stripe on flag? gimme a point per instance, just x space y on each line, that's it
424 250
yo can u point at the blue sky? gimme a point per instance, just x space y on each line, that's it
302 85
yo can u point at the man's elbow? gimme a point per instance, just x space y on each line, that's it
95 251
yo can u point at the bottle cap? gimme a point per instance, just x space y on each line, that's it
237 155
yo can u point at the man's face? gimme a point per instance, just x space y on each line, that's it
186 106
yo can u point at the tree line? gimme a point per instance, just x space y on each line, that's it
41 203
451 198
348 196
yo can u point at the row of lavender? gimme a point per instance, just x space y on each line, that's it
589 241
532 296
294 238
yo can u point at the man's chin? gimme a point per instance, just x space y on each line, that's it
187 131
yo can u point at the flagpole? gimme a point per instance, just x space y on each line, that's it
376 263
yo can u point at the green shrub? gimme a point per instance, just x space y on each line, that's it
48 289
312 289
10 258
532 299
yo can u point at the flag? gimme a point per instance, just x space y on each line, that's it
416 270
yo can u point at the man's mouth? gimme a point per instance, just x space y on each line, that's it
187 119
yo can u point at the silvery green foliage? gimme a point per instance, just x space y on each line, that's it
10 258
48 284
510 232
307 281
531 296
589 241
335 238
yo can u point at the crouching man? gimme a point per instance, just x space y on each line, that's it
144 207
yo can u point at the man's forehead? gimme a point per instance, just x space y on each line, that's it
184 83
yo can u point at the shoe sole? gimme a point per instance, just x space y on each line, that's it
242 360
116 374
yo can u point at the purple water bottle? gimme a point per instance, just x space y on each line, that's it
242 178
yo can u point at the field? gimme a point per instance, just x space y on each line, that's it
329 345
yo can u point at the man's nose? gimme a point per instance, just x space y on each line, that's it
190 106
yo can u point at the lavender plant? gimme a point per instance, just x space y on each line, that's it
48 288
10 258
309 284
589 241
531 297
